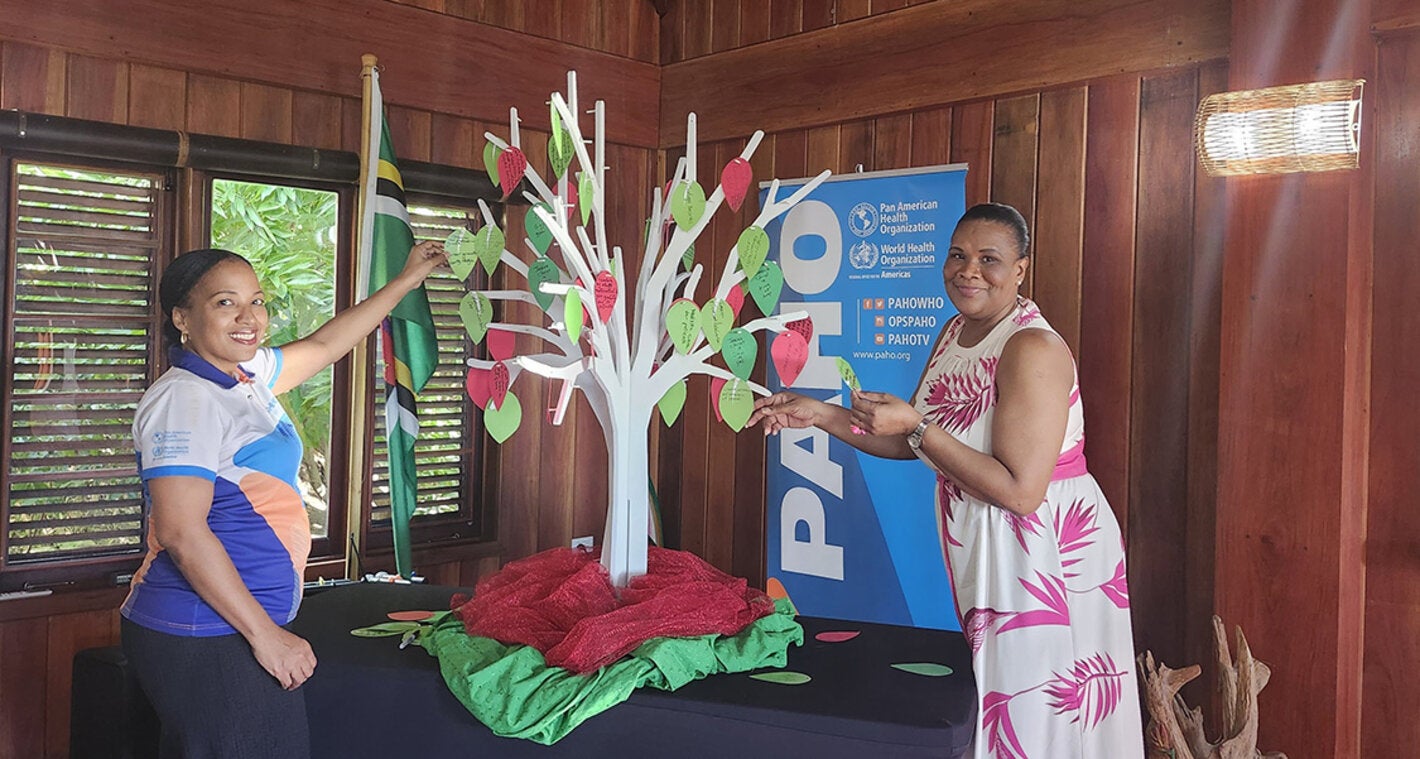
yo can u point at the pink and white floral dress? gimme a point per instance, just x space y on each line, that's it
1043 599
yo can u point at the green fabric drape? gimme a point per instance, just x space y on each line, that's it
513 691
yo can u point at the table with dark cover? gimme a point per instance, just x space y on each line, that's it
370 699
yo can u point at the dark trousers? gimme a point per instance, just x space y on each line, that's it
214 700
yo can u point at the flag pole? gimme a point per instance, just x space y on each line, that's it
356 481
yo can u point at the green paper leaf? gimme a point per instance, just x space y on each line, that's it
489 243
683 324
572 314
926 669
752 248
540 272
585 195
845 370
490 161
740 350
767 285
560 151
782 678
672 402
688 257
502 421
537 230
385 629
716 319
736 404
476 311
687 204
462 247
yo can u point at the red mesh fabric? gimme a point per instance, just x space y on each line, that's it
561 602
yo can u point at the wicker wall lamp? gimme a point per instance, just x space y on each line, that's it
1280 130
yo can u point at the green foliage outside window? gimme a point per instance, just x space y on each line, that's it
289 234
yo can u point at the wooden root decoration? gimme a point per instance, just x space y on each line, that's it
1176 732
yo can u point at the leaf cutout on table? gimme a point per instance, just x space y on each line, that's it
836 636
410 616
384 629
782 678
925 668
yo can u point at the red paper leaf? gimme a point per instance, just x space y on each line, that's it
715 385
479 386
511 165
790 353
736 298
605 291
735 181
804 326
501 343
498 383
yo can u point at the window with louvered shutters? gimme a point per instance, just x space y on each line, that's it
446 452
79 342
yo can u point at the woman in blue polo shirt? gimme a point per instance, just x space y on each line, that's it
228 533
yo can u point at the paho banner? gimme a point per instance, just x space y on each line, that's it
852 536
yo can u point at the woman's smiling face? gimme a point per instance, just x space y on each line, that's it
984 269
225 315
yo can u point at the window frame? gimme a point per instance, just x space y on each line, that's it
183 161
332 547
476 520
97 570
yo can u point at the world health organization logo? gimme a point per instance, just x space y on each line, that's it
863 255
863 219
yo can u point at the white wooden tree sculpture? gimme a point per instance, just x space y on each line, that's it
623 358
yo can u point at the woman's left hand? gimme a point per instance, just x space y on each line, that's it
423 259
883 414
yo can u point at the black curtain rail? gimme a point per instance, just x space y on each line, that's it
41 133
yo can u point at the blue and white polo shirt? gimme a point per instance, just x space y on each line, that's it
197 421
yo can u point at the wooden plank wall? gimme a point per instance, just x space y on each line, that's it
542 502
1125 264
1392 618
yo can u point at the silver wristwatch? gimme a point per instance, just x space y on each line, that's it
914 438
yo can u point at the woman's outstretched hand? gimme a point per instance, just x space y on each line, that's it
883 414
423 259
783 410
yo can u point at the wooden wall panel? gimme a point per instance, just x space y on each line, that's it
1205 323
1013 159
1158 415
725 24
1107 290
1056 260
411 131
97 89
932 137
32 78
1392 646
316 121
892 141
971 144
430 60
156 97
941 53
24 645
214 106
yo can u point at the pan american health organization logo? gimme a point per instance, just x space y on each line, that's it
863 219
863 255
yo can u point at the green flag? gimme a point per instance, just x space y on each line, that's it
408 345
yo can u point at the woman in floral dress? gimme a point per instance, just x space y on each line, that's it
1033 550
